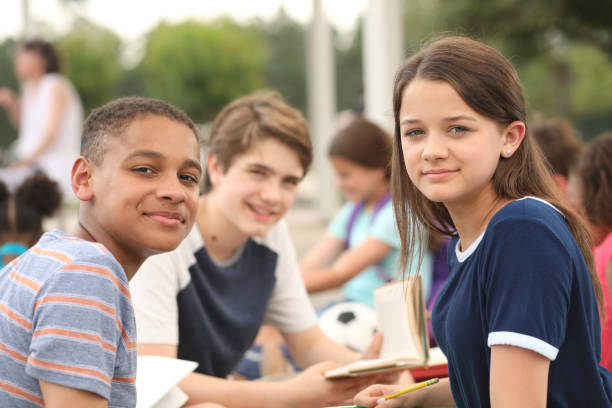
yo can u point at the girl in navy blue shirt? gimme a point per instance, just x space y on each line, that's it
519 318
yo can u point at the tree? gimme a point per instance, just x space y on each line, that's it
91 56
7 55
200 67
286 59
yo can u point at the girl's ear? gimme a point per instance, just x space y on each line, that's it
214 170
512 138
81 179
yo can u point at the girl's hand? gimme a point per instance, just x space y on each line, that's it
370 396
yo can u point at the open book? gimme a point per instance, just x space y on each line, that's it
401 313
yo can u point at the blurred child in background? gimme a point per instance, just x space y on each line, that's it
22 213
360 250
47 113
561 147
590 193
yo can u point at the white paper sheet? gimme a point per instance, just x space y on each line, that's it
156 380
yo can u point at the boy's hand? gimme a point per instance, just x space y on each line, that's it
373 350
310 388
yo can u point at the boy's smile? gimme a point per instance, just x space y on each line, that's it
258 188
144 193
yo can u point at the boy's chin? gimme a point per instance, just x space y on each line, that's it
160 248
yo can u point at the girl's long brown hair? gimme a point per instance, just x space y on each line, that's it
489 84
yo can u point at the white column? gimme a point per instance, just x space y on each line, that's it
382 56
26 32
321 106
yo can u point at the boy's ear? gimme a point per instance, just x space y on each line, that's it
214 170
81 180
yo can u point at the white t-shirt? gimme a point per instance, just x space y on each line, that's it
58 158
213 311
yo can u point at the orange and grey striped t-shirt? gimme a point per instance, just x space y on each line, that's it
66 317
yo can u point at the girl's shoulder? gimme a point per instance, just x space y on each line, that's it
528 209
529 221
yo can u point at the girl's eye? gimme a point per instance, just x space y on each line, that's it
458 129
256 172
413 132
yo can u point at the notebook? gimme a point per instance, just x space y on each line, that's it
401 313
157 379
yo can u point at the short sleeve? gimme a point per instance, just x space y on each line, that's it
339 224
289 309
78 328
384 227
527 287
154 294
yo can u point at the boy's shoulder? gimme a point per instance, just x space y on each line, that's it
277 238
57 250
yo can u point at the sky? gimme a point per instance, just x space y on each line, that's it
130 19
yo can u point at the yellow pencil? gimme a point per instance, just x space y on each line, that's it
403 391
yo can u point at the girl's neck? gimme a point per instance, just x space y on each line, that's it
377 195
471 219
221 237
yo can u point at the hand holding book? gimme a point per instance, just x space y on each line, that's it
401 313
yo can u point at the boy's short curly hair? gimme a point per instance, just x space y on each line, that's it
114 117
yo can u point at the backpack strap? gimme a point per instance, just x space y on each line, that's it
382 274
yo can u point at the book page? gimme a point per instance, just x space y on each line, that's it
402 321
436 357
394 320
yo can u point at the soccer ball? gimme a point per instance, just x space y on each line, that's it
351 324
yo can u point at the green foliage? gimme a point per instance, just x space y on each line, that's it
200 67
91 59
285 69
349 73
7 79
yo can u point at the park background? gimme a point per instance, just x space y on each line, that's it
216 51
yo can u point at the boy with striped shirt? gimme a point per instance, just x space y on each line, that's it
67 330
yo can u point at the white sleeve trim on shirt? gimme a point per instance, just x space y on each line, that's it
524 341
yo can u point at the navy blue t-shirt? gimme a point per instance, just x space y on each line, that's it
523 283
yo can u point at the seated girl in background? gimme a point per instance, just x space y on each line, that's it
360 250
590 193
22 213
